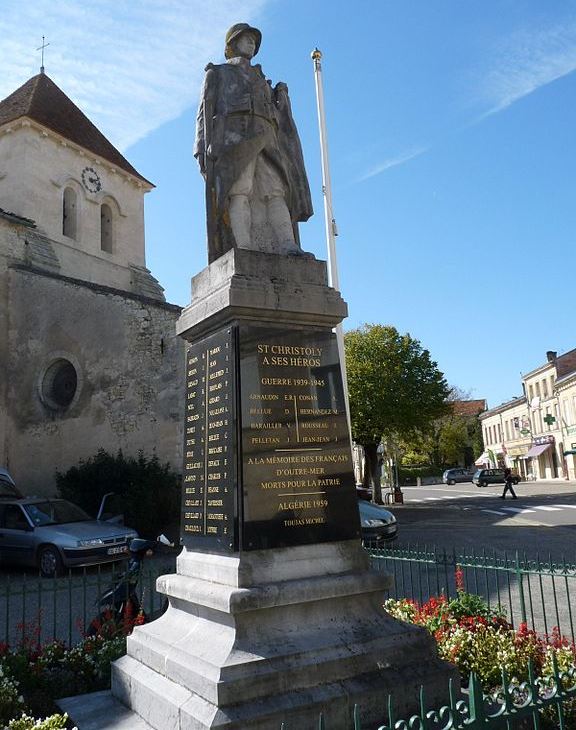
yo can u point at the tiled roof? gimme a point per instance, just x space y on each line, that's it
41 100
565 364
468 407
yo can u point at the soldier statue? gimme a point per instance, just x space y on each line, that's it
250 155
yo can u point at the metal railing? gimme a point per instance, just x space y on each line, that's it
539 592
35 609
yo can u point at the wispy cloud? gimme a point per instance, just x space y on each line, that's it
529 60
391 162
130 66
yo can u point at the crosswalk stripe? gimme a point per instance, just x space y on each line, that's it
548 509
567 506
495 512
520 510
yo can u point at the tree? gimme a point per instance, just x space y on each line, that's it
451 439
395 389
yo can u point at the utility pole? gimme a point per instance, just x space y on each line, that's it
330 221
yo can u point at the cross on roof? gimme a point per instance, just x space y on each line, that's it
41 48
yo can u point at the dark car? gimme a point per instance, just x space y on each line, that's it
377 524
484 477
454 476
53 534
363 492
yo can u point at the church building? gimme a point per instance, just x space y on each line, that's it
89 357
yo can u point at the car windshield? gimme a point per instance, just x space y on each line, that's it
57 512
373 512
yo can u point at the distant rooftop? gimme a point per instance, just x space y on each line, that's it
468 407
41 100
566 364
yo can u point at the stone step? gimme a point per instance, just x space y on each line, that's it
101 711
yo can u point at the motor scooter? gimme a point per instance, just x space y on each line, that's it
119 607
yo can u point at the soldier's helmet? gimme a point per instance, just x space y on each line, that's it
235 32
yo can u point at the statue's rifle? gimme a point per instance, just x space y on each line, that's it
214 247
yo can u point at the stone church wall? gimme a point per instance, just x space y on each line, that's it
129 366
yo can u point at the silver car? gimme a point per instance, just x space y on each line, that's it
53 534
377 524
456 476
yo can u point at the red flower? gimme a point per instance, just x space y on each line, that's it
459 577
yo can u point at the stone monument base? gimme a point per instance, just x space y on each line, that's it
276 636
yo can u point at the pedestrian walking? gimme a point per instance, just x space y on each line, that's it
508 484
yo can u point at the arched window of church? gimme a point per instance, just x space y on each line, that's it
69 213
106 228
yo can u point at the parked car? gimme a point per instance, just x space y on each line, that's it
53 534
453 476
363 492
7 486
484 477
377 524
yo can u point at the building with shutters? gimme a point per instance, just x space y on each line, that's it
536 433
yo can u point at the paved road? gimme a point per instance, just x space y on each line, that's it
540 525
542 519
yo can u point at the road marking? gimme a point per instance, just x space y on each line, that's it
494 512
431 499
520 510
567 506
549 509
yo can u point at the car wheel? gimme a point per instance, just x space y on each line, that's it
49 561
451 482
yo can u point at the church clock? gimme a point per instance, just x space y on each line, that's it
91 180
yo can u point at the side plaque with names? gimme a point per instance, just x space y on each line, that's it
209 503
298 481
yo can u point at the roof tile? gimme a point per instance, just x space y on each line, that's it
41 100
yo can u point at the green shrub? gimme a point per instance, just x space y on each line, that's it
11 701
409 474
32 677
55 722
150 490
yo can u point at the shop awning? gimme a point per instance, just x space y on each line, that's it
483 459
537 450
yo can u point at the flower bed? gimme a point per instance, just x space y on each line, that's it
33 676
479 639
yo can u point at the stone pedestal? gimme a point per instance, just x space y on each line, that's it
257 637
275 636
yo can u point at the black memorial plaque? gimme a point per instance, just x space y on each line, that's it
297 475
209 498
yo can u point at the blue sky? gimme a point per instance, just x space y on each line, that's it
452 148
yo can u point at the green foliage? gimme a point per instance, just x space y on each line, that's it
150 491
394 386
54 722
409 474
33 676
479 639
11 701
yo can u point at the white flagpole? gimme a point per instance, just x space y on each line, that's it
329 220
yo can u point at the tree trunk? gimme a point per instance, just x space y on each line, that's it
372 471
